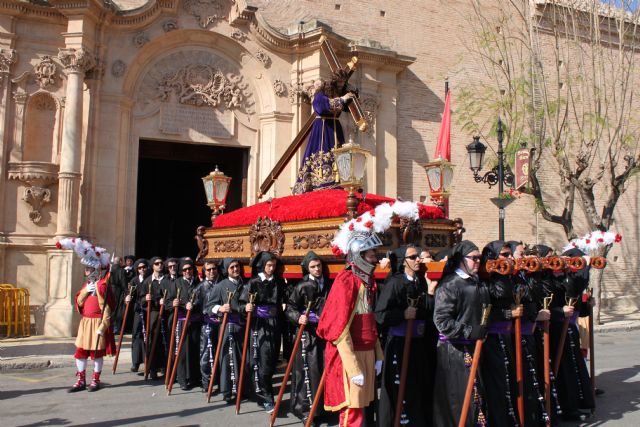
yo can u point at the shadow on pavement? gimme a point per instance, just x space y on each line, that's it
10 394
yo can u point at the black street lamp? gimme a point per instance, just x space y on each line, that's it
500 174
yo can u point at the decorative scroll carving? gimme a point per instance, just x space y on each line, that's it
170 25
312 241
266 235
7 58
140 39
76 60
206 11
238 34
37 197
263 57
370 107
459 231
410 230
279 87
202 85
233 245
203 244
118 68
300 92
45 72
436 240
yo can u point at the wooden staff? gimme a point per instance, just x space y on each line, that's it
146 331
592 355
486 309
563 336
183 335
247 330
124 322
156 332
174 323
214 368
546 302
519 380
405 365
294 351
316 400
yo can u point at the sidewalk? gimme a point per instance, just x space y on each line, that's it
38 352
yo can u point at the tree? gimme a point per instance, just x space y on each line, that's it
563 75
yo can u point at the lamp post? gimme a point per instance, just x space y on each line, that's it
500 174
351 161
216 188
439 177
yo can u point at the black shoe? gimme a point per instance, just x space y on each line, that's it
230 400
185 387
134 368
268 407
153 375
599 392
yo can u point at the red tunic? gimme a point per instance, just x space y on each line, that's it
91 309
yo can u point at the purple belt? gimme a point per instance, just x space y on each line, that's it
455 341
527 328
401 329
234 319
212 320
195 317
312 317
504 327
574 319
266 311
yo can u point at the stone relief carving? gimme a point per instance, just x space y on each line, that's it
36 197
436 240
170 25
45 72
118 68
7 58
194 77
207 11
202 85
279 87
300 92
266 235
370 105
263 57
140 39
312 241
76 60
238 34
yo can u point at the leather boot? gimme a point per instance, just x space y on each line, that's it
95 382
80 384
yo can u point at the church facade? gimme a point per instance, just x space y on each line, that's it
112 111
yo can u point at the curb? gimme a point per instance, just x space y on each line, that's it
623 327
54 361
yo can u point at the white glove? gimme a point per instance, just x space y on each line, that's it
91 287
358 380
378 367
100 332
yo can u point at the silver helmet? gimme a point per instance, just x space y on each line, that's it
358 244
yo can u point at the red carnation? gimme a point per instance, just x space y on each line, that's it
73 241
351 227
359 219
58 245
573 244
97 254
93 247
372 212
618 238
336 251
600 240
368 224
587 241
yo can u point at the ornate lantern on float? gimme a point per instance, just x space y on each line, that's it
439 176
216 188
351 161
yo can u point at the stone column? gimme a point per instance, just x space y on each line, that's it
76 63
7 59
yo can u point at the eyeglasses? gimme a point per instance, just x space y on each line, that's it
474 258
233 267
187 269
172 266
505 254
413 257
157 263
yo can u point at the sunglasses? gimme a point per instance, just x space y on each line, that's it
172 266
142 267
187 269
157 263
210 269
505 254
233 267
413 257
474 258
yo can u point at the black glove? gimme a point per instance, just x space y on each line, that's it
478 332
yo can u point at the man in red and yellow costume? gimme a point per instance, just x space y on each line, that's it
353 356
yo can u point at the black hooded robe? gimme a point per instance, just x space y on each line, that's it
208 332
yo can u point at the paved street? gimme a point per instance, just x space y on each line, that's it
39 397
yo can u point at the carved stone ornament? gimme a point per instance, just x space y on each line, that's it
233 245
203 244
37 197
7 58
118 68
76 60
207 11
202 85
312 241
300 92
170 25
370 107
280 88
238 34
45 72
266 235
140 39
263 57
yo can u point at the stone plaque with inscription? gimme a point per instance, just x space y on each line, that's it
177 119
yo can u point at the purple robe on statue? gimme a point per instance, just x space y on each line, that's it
316 168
